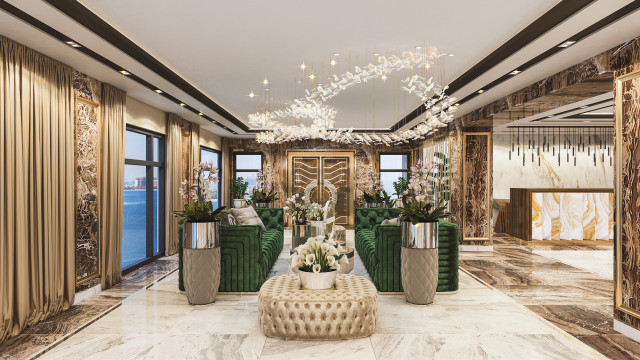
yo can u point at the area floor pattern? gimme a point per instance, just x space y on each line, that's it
37 339
477 322
578 300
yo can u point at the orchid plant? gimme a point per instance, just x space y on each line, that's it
315 212
374 194
296 205
318 256
415 206
263 191
197 191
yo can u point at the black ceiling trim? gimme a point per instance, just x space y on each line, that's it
556 15
94 55
95 24
600 102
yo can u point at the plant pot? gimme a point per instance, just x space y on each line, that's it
317 281
373 205
239 203
349 253
419 261
201 256
264 204
300 234
317 227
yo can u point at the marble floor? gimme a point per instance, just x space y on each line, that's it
557 284
476 322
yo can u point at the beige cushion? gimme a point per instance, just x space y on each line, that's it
393 221
247 216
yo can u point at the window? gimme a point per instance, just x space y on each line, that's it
246 166
143 208
207 154
392 167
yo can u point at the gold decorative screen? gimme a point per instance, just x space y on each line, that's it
324 176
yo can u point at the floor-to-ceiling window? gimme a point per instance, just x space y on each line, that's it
143 208
246 166
392 167
215 156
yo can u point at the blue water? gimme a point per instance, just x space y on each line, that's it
134 237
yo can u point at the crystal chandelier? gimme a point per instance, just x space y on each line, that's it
439 107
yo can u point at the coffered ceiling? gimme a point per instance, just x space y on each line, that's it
224 50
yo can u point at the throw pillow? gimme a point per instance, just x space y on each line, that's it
227 218
393 221
247 216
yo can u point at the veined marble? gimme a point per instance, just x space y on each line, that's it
571 216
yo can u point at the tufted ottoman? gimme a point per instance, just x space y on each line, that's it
347 312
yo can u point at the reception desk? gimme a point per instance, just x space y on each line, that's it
561 214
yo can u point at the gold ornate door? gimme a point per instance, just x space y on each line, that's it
324 176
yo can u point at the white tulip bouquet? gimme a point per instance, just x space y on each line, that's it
318 255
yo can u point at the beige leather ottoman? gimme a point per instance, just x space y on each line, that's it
347 312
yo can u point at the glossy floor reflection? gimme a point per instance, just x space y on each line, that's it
477 322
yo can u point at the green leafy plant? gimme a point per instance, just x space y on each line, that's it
401 186
198 191
263 192
415 205
238 188
374 194
387 200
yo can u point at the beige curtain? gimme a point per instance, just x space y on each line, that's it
195 144
37 246
174 178
111 183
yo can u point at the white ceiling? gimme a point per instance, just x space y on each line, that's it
226 49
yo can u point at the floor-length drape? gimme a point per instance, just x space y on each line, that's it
195 144
37 247
111 183
174 178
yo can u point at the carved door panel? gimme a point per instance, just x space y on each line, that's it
322 177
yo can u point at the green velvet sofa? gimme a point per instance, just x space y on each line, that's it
247 253
379 248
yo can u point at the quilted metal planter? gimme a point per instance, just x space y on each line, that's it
317 281
239 203
266 205
374 205
419 262
201 256
300 234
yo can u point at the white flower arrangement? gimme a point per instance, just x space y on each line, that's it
297 207
315 212
318 256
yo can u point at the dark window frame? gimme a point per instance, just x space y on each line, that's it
407 169
235 162
150 165
220 173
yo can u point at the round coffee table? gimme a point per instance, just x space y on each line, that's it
347 312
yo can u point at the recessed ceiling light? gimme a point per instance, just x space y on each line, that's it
418 47
336 54
251 94
312 76
265 81
266 89
333 62
376 54
73 44
566 44
480 91
303 66
158 91
384 77
451 55
515 72
427 65
200 114
182 104
549 116
583 107
124 72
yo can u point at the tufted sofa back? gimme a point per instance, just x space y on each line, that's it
273 218
367 218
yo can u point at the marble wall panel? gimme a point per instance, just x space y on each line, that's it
604 217
627 252
589 216
551 206
86 179
537 215
477 187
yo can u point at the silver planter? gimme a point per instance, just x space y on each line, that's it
423 235
317 227
349 253
300 234
317 281
239 203
264 205
399 203
419 261
373 205
201 257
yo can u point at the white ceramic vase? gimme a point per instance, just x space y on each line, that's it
317 281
